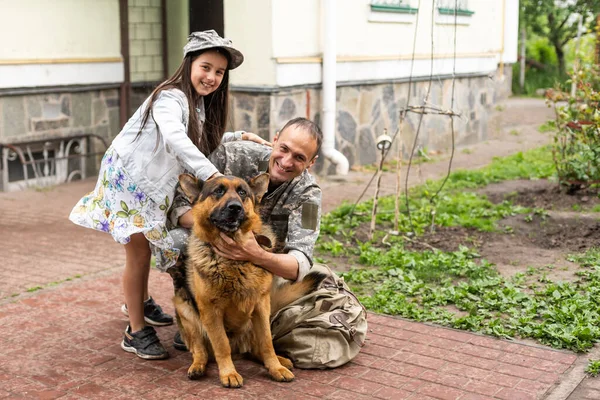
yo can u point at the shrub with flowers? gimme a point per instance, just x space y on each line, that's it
576 148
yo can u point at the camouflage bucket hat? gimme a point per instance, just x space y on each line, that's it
210 39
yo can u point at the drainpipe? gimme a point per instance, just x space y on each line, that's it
329 87
125 89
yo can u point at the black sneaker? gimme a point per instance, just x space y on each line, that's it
153 313
144 344
178 342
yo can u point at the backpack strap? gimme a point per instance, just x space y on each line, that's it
342 319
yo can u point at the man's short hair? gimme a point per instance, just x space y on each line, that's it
309 126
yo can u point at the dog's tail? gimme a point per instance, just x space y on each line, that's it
284 294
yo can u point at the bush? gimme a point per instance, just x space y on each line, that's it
576 148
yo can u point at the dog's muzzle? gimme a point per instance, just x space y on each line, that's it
230 217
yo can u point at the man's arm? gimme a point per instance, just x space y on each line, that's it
303 231
284 265
179 213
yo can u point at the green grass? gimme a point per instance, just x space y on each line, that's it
593 367
454 206
40 287
549 126
418 285
396 280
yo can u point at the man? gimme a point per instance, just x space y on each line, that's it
292 204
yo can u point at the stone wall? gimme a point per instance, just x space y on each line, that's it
39 116
364 111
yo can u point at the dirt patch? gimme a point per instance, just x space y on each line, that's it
540 194
555 230
537 243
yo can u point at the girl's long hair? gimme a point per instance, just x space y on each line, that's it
215 105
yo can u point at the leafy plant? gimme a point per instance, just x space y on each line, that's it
576 148
593 367
421 285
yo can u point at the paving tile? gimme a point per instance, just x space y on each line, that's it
314 389
342 394
452 335
515 394
46 394
441 392
502 379
518 371
383 330
480 351
490 342
408 370
465 370
392 394
322 376
482 387
357 385
474 396
385 378
379 351
538 388
426 362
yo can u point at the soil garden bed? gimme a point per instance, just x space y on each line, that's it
507 257
529 241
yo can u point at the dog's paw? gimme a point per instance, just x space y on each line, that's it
286 362
281 374
232 380
196 372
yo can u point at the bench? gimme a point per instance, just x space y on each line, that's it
40 162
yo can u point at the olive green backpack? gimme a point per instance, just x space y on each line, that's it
324 329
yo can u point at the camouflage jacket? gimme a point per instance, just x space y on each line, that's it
293 209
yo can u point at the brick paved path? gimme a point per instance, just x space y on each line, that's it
60 324
64 344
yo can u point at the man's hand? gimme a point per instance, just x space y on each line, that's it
253 137
246 250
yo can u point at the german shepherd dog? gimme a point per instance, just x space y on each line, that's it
224 306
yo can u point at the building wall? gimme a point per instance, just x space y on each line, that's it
374 65
178 29
62 42
249 24
38 116
286 48
145 40
364 111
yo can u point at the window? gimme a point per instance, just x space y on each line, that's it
399 11
451 11
396 6
449 7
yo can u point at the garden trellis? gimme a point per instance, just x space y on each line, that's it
422 109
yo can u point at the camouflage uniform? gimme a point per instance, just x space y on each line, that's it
293 209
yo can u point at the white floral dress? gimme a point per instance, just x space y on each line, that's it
118 206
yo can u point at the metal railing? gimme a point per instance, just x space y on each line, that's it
46 162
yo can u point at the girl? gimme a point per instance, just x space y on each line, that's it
181 122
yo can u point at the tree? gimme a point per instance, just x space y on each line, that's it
557 20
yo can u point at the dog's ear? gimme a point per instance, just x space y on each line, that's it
259 185
190 186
